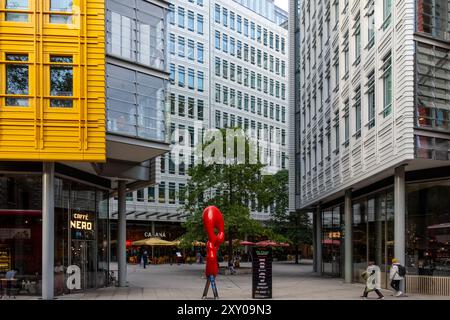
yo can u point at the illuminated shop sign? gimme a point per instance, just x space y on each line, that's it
334 235
156 234
82 226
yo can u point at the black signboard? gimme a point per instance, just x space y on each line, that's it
262 273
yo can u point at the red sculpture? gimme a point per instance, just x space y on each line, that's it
212 219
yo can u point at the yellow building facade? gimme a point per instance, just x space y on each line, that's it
52 80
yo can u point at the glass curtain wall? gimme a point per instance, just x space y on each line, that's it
428 228
332 227
373 233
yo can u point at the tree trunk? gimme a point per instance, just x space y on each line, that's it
296 254
230 249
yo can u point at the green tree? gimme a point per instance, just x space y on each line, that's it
230 185
296 227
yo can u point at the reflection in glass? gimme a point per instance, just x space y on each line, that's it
61 81
61 6
17 80
17 5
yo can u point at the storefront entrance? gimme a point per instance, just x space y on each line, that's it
83 255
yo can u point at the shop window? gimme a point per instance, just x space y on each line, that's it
17 80
64 10
16 5
61 81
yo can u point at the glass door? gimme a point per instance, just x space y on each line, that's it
83 256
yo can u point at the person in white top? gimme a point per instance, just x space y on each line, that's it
395 275
372 275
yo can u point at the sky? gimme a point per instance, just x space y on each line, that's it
283 4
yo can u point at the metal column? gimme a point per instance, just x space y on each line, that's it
319 240
348 265
399 216
314 242
122 232
48 230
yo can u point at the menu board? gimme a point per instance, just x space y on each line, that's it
5 259
262 273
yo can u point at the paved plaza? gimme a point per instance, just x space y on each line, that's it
186 282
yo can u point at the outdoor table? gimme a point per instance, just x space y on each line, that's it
7 285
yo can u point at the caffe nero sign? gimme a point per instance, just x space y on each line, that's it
82 226
262 273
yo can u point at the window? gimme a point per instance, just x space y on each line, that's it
225 16
336 136
151 194
246 77
181 75
64 8
61 81
162 163
217 13
218 119
387 11
200 109
371 28
181 46
172 73
246 27
171 14
181 105
172 43
200 3
239 100
162 192
259 58
239 49
172 192
16 5
239 24
271 40
245 52
190 53
232 46
253 104
181 193
271 63
283 69
371 99
181 17
191 78
217 92
172 103
225 95
217 66
358 113
17 80
224 43
199 24
200 79
200 52
190 20
232 20
232 72
346 128
252 79
266 60
252 31
217 40
283 114
358 43
140 195
346 54
387 86
225 69
282 45
277 42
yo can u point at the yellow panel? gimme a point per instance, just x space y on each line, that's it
41 132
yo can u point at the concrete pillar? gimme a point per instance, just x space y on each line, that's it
153 234
399 216
122 233
319 240
314 240
48 229
348 263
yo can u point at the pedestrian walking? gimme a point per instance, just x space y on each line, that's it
372 275
396 275
145 258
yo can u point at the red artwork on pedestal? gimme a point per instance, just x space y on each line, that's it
213 219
